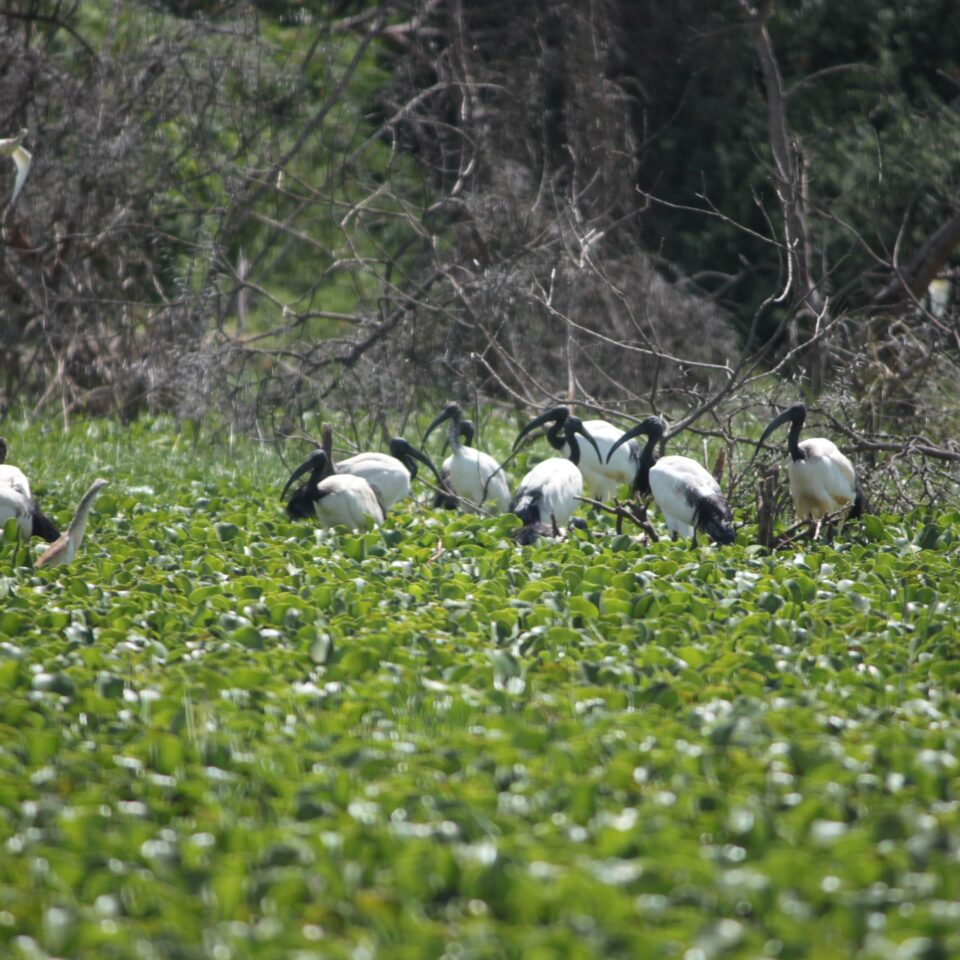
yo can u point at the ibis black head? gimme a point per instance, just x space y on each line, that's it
450 412
467 432
3 449
795 416
315 465
557 416
408 455
652 427
573 426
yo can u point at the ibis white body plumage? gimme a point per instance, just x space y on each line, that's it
601 478
390 474
17 501
13 147
13 504
474 477
686 493
678 485
549 492
822 479
14 477
346 500
387 474
477 478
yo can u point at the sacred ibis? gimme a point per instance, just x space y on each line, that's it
687 494
471 474
65 548
17 501
549 492
13 147
335 500
601 477
822 479
388 473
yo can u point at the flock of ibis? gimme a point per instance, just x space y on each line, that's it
592 455
364 487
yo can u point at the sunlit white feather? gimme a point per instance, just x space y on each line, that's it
557 483
476 477
823 481
602 479
389 477
678 484
347 500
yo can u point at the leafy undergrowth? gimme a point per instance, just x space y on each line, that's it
223 734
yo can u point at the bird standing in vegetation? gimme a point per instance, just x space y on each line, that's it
549 492
17 501
822 479
601 477
390 474
13 147
333 499
473 476
65 548
687 494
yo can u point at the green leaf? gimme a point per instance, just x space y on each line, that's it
226 531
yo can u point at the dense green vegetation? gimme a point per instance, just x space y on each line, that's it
223 734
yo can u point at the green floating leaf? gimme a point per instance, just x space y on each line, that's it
929 536
504 665
873 526
109 685
661 693
226 531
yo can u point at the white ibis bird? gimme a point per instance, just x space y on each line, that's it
822 479
17 501
13 147
686 493
65 548
472 475
601 477
334 500
390 473
549 492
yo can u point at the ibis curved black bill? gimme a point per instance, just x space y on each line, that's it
451 411
652 427
556 415
315 465
408 454
794 415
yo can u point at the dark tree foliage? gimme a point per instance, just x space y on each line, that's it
795 164
274 204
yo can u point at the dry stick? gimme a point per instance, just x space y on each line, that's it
621 513
438 553
767 505
904 447
787 538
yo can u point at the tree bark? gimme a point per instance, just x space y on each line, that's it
912 280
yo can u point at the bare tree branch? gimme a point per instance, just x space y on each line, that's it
913 279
